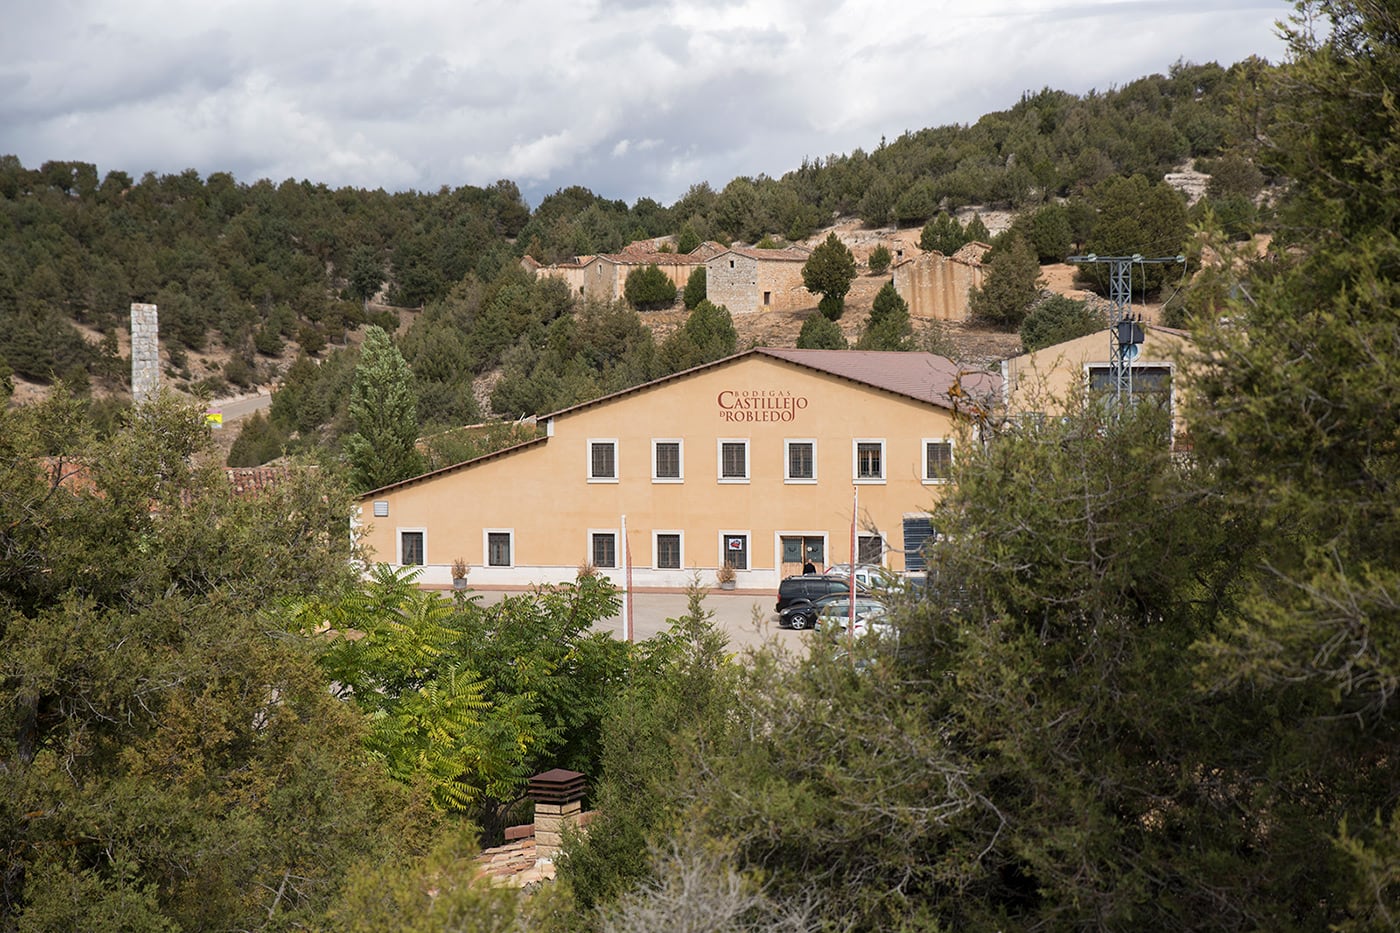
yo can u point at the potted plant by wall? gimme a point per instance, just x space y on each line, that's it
725 576
459 574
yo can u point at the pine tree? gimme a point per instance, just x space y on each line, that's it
1010 285
942 234
829 272
889 327
384 410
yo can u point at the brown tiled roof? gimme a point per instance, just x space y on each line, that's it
923 376
649 257
247 481
971 253
787 254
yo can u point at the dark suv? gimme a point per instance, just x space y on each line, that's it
797 596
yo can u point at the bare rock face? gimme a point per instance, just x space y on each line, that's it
1189 182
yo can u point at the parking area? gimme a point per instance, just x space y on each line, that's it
746 617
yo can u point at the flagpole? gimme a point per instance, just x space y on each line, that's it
626 584
855 509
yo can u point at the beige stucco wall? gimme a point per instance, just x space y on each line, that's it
1043 381
936 286
542 493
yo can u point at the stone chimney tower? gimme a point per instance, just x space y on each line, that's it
558 797
145 353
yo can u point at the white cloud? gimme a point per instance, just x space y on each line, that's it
630 99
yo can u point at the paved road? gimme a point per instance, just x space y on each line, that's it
747 618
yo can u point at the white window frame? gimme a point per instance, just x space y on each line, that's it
923 467
748 546
486 534
680 455
617 548
787 460
398 545
617 467
884 548
719 460
656 548
855 461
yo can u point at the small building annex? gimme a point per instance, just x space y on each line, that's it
754 461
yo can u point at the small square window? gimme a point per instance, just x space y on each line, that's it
666 461
381 508
733 461
870 550
668 551
736 550
938 461
604 549
801 462
870 460
498 549
602 461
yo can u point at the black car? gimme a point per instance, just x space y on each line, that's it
798 596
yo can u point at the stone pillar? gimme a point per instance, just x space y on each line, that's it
550 820
145 353
558 797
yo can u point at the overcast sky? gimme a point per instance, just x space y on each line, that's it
629 98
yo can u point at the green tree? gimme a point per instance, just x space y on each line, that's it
1010 286
1306 442
384 411
649 288
683 680
258 441
976 231
144 683
829 272
708 334
1057 319
880 259
687 240
694 288
1136 217
819 332
365 275
942 234
1050 233
889 327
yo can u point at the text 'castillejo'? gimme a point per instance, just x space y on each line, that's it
759 405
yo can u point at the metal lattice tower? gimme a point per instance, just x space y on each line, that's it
1124 333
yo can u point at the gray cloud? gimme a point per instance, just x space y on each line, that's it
630 99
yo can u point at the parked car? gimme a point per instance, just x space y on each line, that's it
834 614
869 576
798 595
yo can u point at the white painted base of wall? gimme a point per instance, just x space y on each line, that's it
642 577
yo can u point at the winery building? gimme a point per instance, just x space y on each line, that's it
756 461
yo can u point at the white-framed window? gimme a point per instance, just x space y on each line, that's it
602 548
870 550
499 545
668 550
667 460
800 460
602 460
938 459
413 547
868 457
1151 382
733 456
734 549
